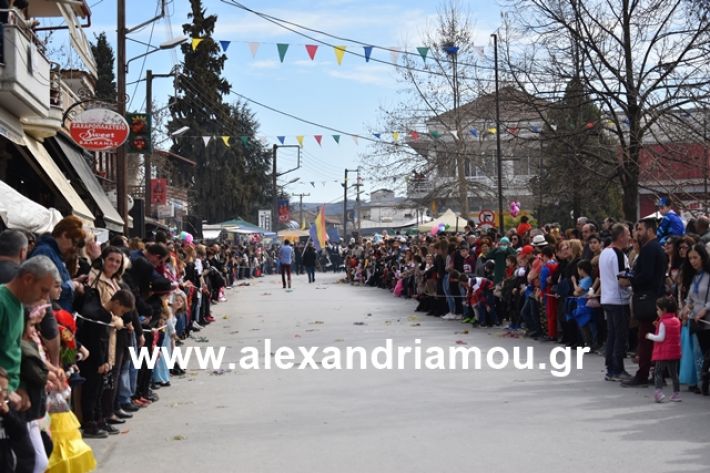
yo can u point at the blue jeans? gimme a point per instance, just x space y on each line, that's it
617 322
449 297
127 378
531 315
466 308
311 271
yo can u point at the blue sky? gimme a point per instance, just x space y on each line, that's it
346 97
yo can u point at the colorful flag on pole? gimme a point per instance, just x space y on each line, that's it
320 231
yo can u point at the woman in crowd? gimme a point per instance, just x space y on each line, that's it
697 307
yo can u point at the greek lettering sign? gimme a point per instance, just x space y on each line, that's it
99 129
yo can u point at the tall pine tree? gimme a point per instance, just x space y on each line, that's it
105 83
229 180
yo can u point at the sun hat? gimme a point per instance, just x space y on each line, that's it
539 240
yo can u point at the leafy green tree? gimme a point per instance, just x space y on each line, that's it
106 81
229 179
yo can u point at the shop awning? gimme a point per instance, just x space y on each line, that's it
19 212
211 234
50 168
112 219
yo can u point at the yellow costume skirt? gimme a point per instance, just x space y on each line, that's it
71 454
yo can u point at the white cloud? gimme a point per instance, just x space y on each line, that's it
264 64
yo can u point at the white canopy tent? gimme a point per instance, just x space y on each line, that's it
449 218
19 212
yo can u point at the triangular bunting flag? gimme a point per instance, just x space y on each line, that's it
355 139
492 130
377 135
514 131
451 50
535 129
319 139
281 139
423 52
299 138
414 135
336 138
435 134
395 135
455 134
225 45
226 141
245 140
474 132
368 52
282 47
394 55
589 125
254 47
206 140
339 53
196 42
311 49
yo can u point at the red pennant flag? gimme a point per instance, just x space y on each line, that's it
318 138
414 135
514 131
312 48
590 125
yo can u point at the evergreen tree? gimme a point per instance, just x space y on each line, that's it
105 83
229 180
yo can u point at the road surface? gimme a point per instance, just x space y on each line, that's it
315 420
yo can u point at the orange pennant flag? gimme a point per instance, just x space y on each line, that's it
339 53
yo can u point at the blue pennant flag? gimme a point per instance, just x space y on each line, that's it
368 52
281 139
535 129
377 135
474 132
225 45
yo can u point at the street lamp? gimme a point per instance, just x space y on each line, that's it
170 44
499 162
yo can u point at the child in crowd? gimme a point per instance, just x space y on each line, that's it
583 313
666 346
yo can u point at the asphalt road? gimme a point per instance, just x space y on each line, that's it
315 420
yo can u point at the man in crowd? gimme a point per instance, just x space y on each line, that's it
615 298
648 284
285 261
13 251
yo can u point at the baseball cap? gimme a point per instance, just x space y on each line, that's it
663 202
527 250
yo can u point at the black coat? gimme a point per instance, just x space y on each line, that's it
309 257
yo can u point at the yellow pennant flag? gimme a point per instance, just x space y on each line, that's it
226 141
395 135
339 53
196 42
492 131
299 138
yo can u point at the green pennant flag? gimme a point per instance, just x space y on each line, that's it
282 47
435 134
245 140
423 52
336 138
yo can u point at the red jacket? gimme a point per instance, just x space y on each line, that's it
669 348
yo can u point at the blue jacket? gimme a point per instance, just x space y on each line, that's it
671 225
47 246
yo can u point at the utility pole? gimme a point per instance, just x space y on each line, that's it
300 207
499 159
358 185
345 202
121 164
274 202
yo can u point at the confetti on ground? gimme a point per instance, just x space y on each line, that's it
255 330
463 332
338 340
311 330
233 332
296 336
225 317
369 314
358 323
266 294
202 340
179 437
317 322
321 288
412 318
415 325
461 342
388 322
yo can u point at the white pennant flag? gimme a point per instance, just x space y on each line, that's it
254 47
480 51
206 139
455 133
394 55
355 139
